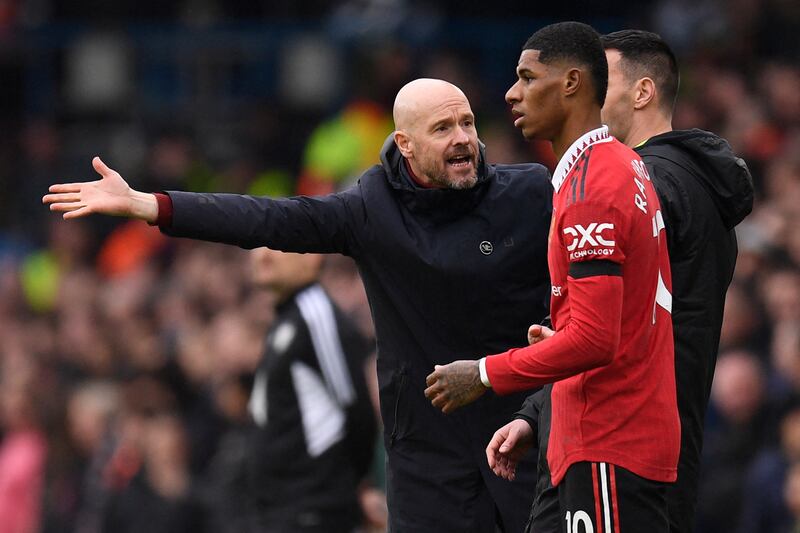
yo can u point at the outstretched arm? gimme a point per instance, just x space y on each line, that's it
322 224
110 195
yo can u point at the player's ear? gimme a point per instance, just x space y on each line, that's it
645 93
404 143
572 81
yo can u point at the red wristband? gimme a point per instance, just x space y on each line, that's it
164 218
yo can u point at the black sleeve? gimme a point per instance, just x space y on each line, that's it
676 207
531 408
323 224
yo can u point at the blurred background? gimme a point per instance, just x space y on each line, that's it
122 351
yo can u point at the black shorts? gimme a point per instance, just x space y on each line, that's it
604 498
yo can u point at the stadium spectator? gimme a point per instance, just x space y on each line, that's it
766 509
160 498
23 451
739 424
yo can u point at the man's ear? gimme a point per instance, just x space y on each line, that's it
645 93
572 81
404 143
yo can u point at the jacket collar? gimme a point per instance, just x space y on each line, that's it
448 203
574 152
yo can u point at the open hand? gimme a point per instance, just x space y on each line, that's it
109 195
508 445
454 385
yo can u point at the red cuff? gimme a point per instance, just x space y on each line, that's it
164 218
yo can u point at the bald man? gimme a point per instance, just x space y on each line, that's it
452 252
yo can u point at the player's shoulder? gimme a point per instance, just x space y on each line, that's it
610 167
615 158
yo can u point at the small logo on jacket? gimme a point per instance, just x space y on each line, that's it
486 247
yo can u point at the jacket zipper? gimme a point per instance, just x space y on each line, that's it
400 388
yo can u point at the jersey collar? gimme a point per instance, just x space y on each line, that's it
574 152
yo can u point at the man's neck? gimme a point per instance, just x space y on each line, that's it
646 126
576 125
418 177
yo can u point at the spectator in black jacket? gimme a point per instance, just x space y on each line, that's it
452 252
160 498
705 191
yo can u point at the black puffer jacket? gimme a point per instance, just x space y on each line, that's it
435 295
449 274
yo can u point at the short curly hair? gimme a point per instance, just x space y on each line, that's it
573 41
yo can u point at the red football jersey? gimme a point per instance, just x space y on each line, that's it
612 357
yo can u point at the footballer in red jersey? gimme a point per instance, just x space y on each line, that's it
611 359
615 434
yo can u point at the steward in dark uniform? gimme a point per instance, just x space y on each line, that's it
314 423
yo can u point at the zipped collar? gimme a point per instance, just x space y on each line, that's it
440 204
574 152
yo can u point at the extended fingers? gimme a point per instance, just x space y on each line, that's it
61 198
66 187
80 211
66 208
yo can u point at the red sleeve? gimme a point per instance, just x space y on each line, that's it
592 230
589 340
164 219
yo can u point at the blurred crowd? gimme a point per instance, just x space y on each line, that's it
126 358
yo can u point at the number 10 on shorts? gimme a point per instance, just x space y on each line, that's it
574 521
